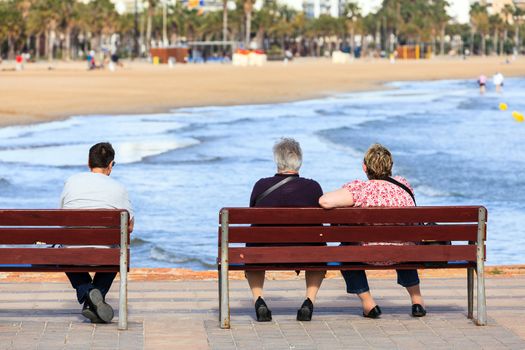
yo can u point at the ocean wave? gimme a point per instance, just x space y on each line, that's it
163 255
137 242
204 160
4 183
75 154
428 191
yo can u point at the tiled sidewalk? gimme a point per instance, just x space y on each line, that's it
183 315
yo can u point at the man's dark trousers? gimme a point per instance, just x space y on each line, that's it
83 283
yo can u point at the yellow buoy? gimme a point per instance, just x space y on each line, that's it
518 117
503 106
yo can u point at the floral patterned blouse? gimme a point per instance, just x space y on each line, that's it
377 193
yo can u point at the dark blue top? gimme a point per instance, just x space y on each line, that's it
300 192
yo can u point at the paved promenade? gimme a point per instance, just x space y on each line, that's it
183 315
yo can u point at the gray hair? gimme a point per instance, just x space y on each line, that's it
287 154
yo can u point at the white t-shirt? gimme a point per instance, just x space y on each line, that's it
497 79
94 191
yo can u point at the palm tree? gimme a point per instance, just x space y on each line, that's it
11 27
49 12
506 12
69 12
480 23
440 19
352 14
152 5
518 17
496 23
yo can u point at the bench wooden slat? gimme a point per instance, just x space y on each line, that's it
60 256
60 217
81 236
59 268
319 267
295 234
308 254
283 216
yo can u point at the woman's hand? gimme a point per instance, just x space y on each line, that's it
335 199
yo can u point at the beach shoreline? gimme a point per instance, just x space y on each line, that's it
38 94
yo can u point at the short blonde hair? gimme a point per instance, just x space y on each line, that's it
287 154
378 161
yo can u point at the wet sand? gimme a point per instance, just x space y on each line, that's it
38 94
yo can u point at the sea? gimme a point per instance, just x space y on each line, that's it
455 146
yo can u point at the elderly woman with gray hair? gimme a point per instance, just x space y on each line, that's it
286 189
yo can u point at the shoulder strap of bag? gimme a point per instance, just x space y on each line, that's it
273 188
397 183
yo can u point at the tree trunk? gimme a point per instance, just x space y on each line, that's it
50 44
248 28
496 35
472 42
505 35
148 29
225 20
67 44
483 44
517 38
442 41
11 48
37 46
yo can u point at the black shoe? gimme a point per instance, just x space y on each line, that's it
90 314
418 310
306 311
97 304
262 311
374 313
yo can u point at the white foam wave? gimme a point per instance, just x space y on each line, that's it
76 155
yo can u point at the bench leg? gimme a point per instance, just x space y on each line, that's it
470 292
481 302
480 269
224 298
124 259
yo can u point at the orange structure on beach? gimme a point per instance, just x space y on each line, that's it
414 51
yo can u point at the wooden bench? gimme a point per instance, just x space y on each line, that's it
465 226
21 230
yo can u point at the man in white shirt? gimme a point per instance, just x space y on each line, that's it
95 190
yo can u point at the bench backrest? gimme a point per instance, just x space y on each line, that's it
20 230
465 226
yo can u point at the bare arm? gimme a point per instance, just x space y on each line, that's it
335 199
131 225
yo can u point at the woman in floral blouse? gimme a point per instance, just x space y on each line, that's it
378 191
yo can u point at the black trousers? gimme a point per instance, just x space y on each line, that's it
83 283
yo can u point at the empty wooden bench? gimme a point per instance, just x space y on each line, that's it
22 233
465 226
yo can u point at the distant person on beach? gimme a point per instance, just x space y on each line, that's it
95 190
285 189
482 82
19 62
498 79
381 190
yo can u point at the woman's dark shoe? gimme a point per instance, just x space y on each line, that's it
262 311
306 311
374 313
418 310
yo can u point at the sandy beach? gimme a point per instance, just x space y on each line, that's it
38 94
